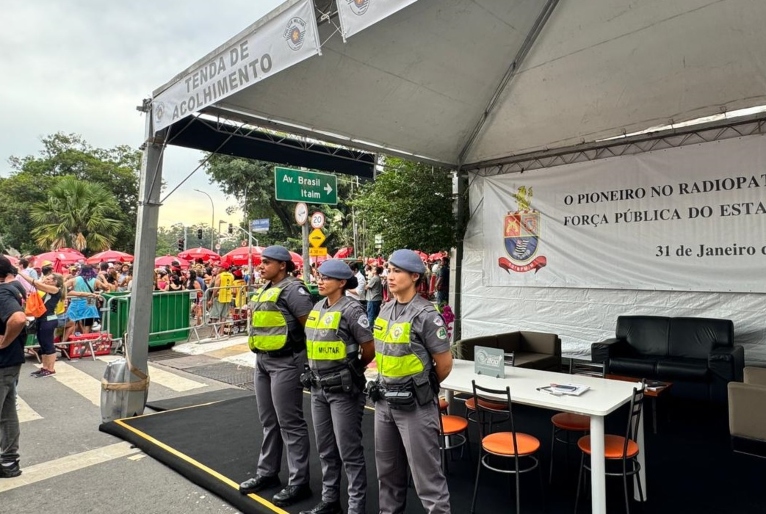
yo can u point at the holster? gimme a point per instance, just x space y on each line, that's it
338 382
423 390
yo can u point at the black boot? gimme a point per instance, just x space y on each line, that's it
291 494
324 507
258 483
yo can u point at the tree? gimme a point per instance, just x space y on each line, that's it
411 206
76 214
31 177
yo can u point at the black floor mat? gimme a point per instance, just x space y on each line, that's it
199 399
690 466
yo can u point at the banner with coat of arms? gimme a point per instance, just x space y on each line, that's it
690 218
357 15
281 42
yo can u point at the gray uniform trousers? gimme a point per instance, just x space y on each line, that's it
280 408
403 437
338 429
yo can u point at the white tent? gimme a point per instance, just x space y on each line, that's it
473 85
464 82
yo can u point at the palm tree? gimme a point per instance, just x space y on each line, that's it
76 215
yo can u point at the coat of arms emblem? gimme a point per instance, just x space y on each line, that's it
521 235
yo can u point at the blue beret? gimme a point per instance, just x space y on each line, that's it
277 253
336 268
408 261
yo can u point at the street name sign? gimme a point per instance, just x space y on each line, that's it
260 225
318 252
291 185
316 238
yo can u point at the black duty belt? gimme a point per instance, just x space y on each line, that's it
282 352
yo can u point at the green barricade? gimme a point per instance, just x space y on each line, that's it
169 319
314 291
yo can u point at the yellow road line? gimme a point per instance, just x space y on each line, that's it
226 480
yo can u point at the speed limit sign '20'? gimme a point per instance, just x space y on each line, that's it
317 220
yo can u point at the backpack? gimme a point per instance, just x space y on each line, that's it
35 306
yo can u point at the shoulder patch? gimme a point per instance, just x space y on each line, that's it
438 321
441 333
303 291
363 321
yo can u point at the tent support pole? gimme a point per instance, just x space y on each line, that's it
462 223
150 183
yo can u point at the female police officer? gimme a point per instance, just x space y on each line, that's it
412 352
280 309
339 346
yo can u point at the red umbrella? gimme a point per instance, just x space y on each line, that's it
14 260
297 259
239 256
199 253
60 258
109 256
423 256
436 256
344 253
167 260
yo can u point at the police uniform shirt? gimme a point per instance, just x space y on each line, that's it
428 335
294 299
354 326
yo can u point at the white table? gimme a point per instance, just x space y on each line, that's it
603 397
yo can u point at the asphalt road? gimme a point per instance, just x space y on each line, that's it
70 467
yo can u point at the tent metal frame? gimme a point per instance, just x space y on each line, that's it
632 145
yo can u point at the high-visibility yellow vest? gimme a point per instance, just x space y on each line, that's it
225 292
324 347
240 293
393 350
268 325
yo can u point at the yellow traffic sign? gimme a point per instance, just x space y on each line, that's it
318 252
316 238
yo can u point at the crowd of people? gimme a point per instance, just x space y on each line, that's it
381 310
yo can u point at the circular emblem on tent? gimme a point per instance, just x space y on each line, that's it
159 111
295 33
359 7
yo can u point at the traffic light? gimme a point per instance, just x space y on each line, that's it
181 245
231 228
199 233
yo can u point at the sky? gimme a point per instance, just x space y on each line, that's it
82 67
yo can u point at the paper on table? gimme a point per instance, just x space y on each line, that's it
570 389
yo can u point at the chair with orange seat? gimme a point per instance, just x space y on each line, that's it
619 449
514 446
453 434
566 422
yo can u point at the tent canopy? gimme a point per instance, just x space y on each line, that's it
472 82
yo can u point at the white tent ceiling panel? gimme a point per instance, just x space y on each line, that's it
603 68
417 81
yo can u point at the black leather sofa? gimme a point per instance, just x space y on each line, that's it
696 354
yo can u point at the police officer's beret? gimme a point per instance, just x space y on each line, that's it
408 261
336 268
277 253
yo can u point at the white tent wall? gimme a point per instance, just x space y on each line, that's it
581 316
